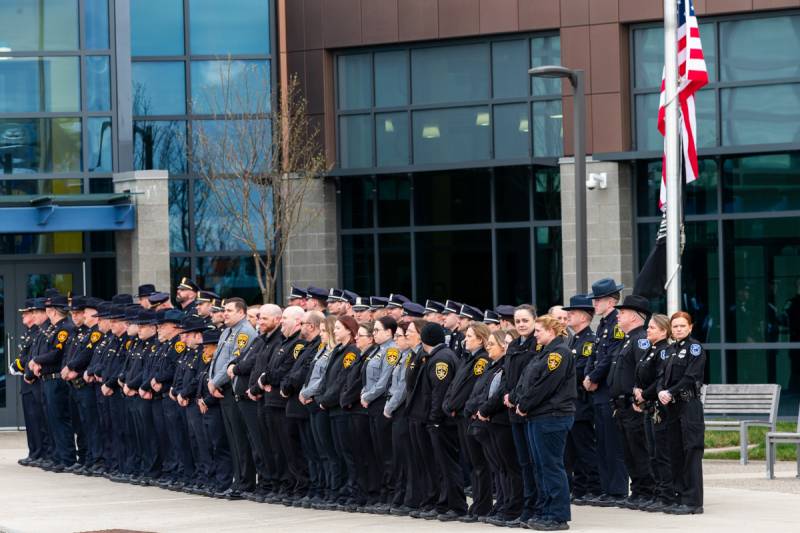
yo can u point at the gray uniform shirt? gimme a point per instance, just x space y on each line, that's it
315 381
397 390
233 342
379 371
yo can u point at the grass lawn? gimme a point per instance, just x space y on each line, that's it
757 435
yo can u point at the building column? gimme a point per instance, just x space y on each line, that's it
609 224
143 254
312 253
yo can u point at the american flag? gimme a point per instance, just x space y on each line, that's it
692 76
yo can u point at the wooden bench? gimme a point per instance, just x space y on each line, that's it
737 407
773 438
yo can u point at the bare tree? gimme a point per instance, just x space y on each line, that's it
256 162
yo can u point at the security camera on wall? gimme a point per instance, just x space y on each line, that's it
597 180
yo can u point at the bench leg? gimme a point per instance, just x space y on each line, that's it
743 444
798 460
770 459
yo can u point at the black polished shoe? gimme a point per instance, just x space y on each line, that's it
401 510
58 468
449 516
25 461
683 509
46 465
547 525
467 518
432 514
606 500
496 520
656 506
233 494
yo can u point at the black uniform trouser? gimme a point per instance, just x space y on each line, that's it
423 474
444 442
610 456
658 437
244 472
119 430
262 460
581 459
135 433
178 429
380 432
167 454
368 470
274 418
480 475
482 433
221 475
151 454
686 430
293 449
56 399
35 423
332 466
526 467
401 456
312 457
201 446
106 431
81 438
509 475
342 443
86 404
637 459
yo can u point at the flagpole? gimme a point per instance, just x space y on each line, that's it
672 156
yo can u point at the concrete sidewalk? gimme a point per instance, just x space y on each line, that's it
738 499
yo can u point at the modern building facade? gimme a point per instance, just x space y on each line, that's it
451 169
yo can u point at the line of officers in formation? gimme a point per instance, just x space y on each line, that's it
376 405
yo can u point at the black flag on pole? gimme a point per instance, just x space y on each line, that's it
653 276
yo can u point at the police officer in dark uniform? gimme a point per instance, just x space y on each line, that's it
317 300
108 374
187 296
609 338
93 375
394 306
204 307
297 296
143 294
633 313
47 365
581 457
679 390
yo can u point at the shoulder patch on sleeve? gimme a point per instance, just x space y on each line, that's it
241 340
180 346
553 361
128 344
695 350
479 367
297 349
442 369
618 333
588 348
663 355
349 359
392 356
95 336
62 335
644 344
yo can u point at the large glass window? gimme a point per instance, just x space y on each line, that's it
41 145
35 84
99 139
229 27
466 102
160 144
95 14
157 27
222 87
158 88
98 83
34 25
229 276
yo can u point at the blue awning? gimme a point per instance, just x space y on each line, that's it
52 213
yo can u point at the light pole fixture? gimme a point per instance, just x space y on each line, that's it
576 79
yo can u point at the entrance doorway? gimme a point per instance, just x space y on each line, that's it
18 281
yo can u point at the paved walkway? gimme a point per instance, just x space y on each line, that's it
738 499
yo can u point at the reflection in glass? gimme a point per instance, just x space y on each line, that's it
354 82
649 54
34 25
512 194
357 195
104 277
549 266
762 262
391 131
157 27
511 131
394 196
95 16
178 215
768 366
211 206
510 68
770 56
548 133
99 139
33 145
358 263
98 83
701 195
647 136
235 86
43 187
545 51
355 141
451 135
230 27
395 263
761 115
452 197
32 84
547 194
761 183
706 116
42 243
179 267
230 276
514 266
450 73
159 88
455 264
391 78
231 146
159 144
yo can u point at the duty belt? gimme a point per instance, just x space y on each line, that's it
78 383
54 375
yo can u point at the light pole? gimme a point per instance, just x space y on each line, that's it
575 78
